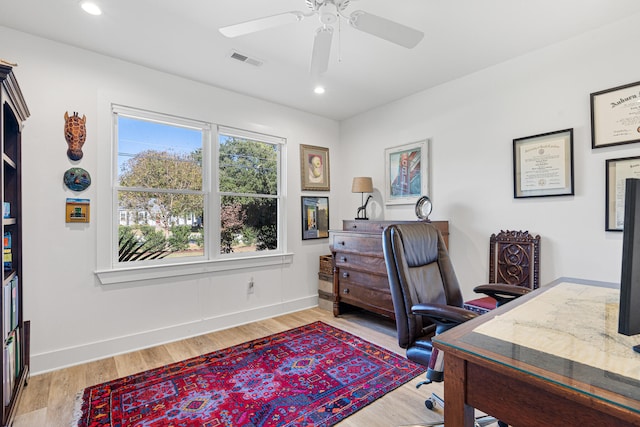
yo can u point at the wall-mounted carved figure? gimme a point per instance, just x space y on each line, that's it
75 132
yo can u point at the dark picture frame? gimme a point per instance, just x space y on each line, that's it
616 173
314 168
543 165
315 217
615 116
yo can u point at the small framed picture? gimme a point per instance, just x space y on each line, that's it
77 210
543 165
314 168
617 171
315 217
406 173
614 116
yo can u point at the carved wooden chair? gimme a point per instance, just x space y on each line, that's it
514 259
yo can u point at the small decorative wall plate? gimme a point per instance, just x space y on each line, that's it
77 179
423 208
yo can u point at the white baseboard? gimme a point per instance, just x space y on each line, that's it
70 356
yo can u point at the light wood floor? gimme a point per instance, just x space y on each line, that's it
48 400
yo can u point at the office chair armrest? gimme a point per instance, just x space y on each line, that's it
501 293
442 314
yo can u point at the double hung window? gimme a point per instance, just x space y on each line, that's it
187 191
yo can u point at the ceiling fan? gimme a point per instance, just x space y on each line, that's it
329 13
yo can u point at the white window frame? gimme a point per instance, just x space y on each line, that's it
239 133
212 260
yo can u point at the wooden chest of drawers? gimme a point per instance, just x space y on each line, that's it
360 274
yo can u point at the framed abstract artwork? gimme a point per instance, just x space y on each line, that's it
406 173
314 168
315 217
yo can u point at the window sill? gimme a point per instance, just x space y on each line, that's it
135 274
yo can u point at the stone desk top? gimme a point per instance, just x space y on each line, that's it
570 332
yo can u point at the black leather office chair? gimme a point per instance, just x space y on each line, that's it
425 291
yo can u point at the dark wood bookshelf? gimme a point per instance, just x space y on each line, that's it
15 330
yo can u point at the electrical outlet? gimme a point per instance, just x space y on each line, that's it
250 286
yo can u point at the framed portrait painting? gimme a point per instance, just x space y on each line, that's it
314 168
315 217
406 173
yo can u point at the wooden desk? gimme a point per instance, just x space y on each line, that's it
552 357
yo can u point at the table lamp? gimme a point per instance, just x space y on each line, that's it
362 184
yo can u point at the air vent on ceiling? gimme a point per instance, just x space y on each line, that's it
244 58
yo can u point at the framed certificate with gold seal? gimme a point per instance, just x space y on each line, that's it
615 116
543 165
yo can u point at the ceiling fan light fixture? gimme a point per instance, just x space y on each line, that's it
91 8
319 90
328 13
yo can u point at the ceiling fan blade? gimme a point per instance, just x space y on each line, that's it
260 24
321 50
385 29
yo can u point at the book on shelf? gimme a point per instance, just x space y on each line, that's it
6 383
6 310
8 255
9 374
8 260
14 302
10 306
17 371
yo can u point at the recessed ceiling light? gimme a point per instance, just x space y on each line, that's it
91 8
319 90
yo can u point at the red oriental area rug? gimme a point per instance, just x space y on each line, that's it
314 375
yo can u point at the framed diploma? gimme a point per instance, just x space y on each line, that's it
543 165
617 171
615 116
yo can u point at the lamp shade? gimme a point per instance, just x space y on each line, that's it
362 184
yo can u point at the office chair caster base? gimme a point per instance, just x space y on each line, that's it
421 383
433 402
502 424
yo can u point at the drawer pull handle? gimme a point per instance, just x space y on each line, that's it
343 258
345 274
341 243
346 291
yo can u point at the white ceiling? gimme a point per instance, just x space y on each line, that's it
181 37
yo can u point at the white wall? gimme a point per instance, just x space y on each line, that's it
74 318
471 123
